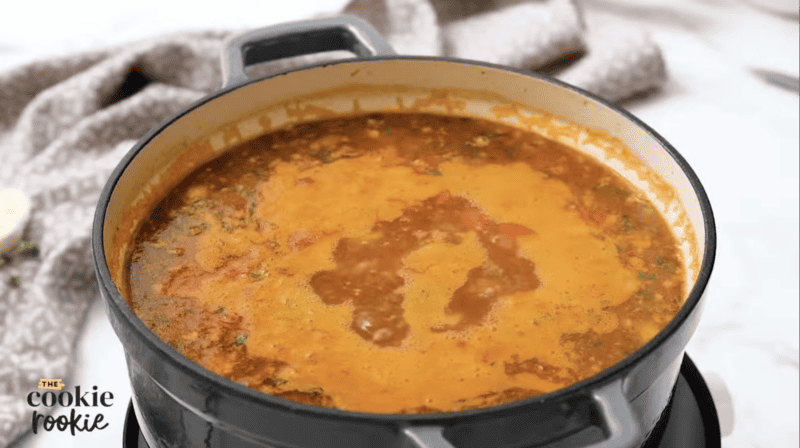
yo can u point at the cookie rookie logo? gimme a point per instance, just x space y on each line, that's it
78 419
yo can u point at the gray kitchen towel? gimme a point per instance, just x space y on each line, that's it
65 123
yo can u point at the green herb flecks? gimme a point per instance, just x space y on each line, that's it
14 282
646 276
27 248
24 249
612 191
434 173
324 155
259 274
663 263
241 338
644 293
627 225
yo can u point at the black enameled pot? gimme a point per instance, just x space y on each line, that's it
180 404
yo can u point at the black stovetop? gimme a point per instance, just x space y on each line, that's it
691 421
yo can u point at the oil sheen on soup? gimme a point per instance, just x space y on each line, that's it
405 263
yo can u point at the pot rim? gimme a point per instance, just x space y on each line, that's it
581 388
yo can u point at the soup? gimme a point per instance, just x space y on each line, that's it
405 263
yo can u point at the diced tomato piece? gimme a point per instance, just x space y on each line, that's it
514 230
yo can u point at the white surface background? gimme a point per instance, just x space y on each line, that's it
738 133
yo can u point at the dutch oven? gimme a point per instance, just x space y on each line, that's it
178 403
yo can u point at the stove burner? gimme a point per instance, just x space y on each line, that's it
691 420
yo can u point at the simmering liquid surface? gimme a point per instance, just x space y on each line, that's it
405 263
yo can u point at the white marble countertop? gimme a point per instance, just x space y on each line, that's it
738 133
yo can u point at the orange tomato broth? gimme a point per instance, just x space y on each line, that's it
405 263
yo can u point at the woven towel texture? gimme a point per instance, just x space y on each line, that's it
66 122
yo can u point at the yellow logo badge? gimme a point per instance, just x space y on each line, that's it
51 384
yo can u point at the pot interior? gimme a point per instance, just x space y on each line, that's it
413 85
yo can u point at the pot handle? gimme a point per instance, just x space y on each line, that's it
297 39
617 420
425 437
619 423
